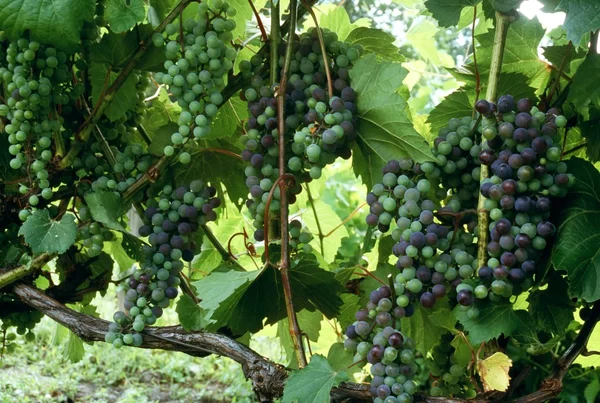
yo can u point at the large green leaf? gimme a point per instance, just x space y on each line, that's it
190 315
427 325
124 100
376 41
494 319
313 383
590 129
582 93
527 335
552 308
44 234
447 12
336 19
122 15
456 105
309 322
576 250
242 300
384 130
228 119
49 21
583 16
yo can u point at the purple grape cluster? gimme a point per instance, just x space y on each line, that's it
523 155
319 125
374 337
173 218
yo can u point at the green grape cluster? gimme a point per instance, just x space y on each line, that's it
38 83
447 377
23 323
199 58
92 234
174 218
319 126
300 237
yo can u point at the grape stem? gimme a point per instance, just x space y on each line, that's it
311 201
219 247
280 180
352 214
322 44
475 66
261 26
502 23
284 267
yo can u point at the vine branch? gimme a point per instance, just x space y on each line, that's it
10 276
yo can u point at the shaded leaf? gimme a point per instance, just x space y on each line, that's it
583 16
447 12
576 249
581 92
122 15
124 100
190 315
106 208
552 308
494 319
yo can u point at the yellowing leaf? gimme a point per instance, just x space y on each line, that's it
493 372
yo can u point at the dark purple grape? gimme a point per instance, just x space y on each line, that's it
522 240
144 231
524 105
162 237
543 205
509 186
494 248
187 255
503 171
374 297
437 278
539 145
515 161
485 189
508 259
423 274
482 106
520 135
487 157
384 291
506 103
431 239
362 315
529 156
399 312
528 267
438 291
376 354
507 202
351 332
396 339
142 289
485 273
417 239
184 228
523 119
516 276
496 192
500 272
150 211
561 179
372 219
545 229
180 192
165 249
465 297
506 130
171 292
503 226
427 300
521 254
267 140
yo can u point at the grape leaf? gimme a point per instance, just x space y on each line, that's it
462 350
221 292
309 322
456 105
73 350
44 234
210 258
427 325
384 132
117 49
132 245
124 100
528 335
552 308
582 93
341 360
567 56
313 383
494 319
583 16
590 129
348 309
243 300
493 372
190 315
576 249
504 6
376 41
336 19
106 208
215 167
229 117
122 15
244 13
54 22
447 12
419 36
520 54
328 221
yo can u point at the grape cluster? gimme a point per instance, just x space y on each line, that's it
199 58
318 126
173 218
447 377
524 159
434 255
432 206
38 82
300 237
374 337
24 322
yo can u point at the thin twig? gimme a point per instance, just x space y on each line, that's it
322 44
311 201
352 214
263 32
